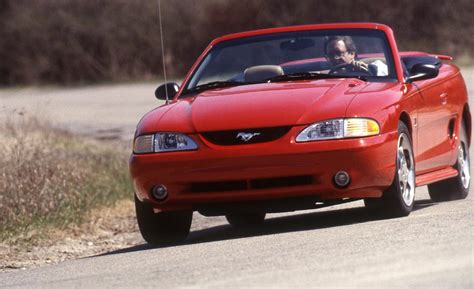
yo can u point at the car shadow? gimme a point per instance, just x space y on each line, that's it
278 225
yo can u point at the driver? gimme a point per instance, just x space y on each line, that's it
341 53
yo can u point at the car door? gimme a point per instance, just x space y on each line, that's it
435 124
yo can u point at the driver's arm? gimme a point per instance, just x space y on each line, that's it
378 68
360 66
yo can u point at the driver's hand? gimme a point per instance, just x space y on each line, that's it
360 66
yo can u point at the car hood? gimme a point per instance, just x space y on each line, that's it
257 105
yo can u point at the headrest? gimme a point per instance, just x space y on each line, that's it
261 72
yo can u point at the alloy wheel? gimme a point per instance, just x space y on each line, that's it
406 170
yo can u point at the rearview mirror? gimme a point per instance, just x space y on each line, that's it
297 44
171 88
422 71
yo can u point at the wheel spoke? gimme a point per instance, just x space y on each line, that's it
406 174
463 161
411 179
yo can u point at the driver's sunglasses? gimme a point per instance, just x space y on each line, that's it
337 55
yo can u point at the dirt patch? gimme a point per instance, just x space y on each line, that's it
106 230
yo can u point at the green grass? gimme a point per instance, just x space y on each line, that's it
51 178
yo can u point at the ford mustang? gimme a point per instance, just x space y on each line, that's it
300 117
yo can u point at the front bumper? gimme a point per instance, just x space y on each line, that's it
274 170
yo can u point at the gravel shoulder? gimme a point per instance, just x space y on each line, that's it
105 230
101 112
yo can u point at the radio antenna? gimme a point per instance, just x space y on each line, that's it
163 50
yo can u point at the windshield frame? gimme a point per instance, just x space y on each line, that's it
355 29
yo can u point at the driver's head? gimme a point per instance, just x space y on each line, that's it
340 49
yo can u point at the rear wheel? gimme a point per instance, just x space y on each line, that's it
399 198
245 220
162 228
458 187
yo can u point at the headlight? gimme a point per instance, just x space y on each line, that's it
339 128
163 142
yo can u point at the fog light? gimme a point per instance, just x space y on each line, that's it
342 179
159 192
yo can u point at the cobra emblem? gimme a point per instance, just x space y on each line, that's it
246 136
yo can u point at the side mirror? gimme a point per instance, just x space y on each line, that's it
422 71
170 87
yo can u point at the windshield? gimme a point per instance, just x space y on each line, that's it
361 53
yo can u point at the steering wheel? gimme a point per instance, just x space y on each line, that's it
337 68
348 66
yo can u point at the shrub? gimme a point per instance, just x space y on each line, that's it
51 177
70 41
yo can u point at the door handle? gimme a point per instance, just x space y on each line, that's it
444 98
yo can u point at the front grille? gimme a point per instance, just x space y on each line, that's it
281 182
245 136
219 186
241 185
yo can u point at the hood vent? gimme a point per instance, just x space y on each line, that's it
245 136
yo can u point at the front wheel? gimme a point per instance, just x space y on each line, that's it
162 228
398 200
458 187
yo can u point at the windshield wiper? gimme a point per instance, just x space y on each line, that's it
301 75
312 75
214 84
361 77
285 77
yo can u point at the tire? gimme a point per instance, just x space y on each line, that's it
458 187
164 228
245 220
399 198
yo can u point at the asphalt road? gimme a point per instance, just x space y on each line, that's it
340 246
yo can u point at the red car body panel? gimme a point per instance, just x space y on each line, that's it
274 104
432 109
318 161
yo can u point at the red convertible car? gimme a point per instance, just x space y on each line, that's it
296 118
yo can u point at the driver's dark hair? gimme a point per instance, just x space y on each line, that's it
347 41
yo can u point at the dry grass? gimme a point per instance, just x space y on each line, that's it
49 177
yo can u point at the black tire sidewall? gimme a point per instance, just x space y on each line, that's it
162 228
